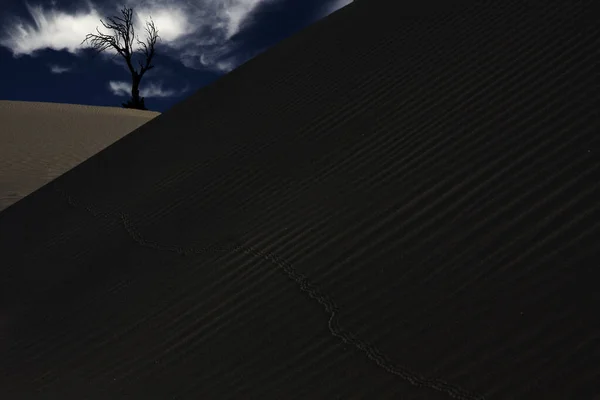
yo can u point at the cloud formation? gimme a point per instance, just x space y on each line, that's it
334 6
150 89
57 69
196 32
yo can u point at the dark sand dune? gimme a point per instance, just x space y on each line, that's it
388 204
40 141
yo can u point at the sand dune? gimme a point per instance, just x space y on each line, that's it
383 206
40 141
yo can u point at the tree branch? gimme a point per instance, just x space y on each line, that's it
123 29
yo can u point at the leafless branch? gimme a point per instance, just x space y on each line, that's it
124 31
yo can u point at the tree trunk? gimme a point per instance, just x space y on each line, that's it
136 101
135 92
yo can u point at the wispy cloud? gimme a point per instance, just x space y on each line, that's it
51 29
197 32
57 69
332 6
151 89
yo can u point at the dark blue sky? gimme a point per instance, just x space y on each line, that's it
42 58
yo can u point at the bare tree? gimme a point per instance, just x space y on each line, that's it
123 28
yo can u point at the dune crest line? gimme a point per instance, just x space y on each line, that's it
305 285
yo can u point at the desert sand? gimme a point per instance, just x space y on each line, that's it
383 206
40 141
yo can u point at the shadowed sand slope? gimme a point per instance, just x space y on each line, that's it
40 141
384 205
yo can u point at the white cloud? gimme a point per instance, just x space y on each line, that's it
51 29
197 32
119 88
236 14
57 69
122 88
333 6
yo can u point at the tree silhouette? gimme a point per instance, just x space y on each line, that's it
123 28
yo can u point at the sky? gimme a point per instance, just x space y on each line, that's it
42 57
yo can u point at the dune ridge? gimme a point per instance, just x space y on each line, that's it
405 210
41 140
